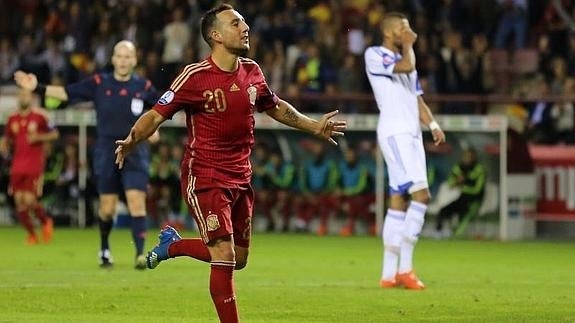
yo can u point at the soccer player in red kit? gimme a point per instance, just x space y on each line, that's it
219 96
25 132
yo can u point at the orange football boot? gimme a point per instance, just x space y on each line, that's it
409 280
388 283
47 230
31 240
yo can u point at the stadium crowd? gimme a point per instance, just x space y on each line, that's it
522 48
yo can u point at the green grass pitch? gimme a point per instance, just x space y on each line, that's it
290 278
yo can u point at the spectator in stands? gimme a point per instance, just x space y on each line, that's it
176 39
540 128
563 114
310 70
512 21
9 60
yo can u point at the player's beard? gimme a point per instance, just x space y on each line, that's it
240 51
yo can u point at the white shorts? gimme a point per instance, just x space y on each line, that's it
405 161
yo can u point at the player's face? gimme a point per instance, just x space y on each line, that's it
124 60
24 99
399 26
234 32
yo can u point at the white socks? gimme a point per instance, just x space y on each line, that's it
392 236
413 223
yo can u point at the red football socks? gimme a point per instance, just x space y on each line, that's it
222 291
41 213
194 248
24 218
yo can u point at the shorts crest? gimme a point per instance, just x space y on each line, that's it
212 222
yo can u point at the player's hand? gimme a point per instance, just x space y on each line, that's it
124 148
438 136
407 36
33 138
4 148
327 128
26 81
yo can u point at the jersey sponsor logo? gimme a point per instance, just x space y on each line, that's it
212 222
387 60
166 98
234 88
137 106
252 94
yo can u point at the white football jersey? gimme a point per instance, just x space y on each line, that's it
395 93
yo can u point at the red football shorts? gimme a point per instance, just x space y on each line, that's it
27 183
220 211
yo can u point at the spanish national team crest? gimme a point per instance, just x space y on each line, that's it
212 222
252 94
137 106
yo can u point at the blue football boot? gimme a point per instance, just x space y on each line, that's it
167 236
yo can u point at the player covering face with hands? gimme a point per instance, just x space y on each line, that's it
219 96
390 68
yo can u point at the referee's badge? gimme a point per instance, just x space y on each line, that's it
137 106
252 94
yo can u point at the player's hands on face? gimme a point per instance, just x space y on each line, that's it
327 128
407 35
124 148
26 81
438 136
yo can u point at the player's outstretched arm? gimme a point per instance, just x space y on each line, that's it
29 82
324 128
144 127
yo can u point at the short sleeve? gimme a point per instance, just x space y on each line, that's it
418 88
379 62
85 90
266 98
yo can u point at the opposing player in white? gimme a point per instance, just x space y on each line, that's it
391 72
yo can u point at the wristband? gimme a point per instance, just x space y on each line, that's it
433 125
40 89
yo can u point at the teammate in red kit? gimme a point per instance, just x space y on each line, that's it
25 132
219 96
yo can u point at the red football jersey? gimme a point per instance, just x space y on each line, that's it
219 109
27 158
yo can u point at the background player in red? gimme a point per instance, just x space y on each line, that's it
119 97
26 131
219 96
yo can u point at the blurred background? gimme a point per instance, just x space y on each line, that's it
499 74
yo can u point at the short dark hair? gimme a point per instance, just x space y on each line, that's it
390 16
208 20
